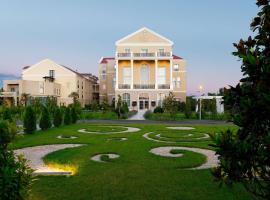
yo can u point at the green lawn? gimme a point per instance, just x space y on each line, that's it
136 174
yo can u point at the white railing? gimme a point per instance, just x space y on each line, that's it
144 55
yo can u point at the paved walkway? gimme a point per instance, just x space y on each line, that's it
138 115
123 121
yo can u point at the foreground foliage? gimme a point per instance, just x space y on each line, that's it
15 175
245 155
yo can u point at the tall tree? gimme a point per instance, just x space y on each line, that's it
170 104
245 155
74 96
29 120
24 98
45 120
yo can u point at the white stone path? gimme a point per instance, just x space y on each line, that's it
35 154
129 130
212 158
97 157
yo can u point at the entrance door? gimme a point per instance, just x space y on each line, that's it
141 105
146 104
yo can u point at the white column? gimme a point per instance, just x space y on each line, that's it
156 86
116 74
131 61
171 83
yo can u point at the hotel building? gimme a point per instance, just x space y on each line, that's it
143 72
49 79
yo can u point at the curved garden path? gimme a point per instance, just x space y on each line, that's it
36 153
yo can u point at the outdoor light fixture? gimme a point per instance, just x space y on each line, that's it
200 90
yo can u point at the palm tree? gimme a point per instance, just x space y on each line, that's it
75 96
24 98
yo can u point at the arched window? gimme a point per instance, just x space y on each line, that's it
126 98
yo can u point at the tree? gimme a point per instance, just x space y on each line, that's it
67 116
45 120
29 120
188 112
105 106
74 96
245 154
57 117
118 106
170 104
15 174
7 114
24 98
74 115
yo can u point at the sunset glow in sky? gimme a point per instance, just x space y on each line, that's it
77 33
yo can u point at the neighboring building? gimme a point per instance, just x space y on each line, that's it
143 71
48 78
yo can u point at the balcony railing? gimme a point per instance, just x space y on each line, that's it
163 54
124 86
8 94
144 55
163 86
124 55
144 86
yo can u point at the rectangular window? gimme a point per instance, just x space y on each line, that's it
175 67
144 50
51 73
113 82
178 82
144 74
161 75
174 83
127 50
127 75
103 74
41 87
161 51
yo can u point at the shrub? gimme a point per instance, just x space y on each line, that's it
74 115
29 120
147 114
188 112
67 116
57 117
15 174
7 114
45 120
158 109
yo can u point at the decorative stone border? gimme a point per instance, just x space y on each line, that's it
146 136
97 158
180 128
205 136
129 130
61 137
117 139
212 158
36 153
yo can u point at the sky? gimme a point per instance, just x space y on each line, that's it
78 33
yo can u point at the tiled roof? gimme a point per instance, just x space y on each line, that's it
177 57
105 60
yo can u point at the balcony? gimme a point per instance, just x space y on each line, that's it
164 86
152 55
123 55
8 94
124 86
144 86
143 55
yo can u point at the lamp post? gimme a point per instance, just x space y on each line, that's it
200 90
